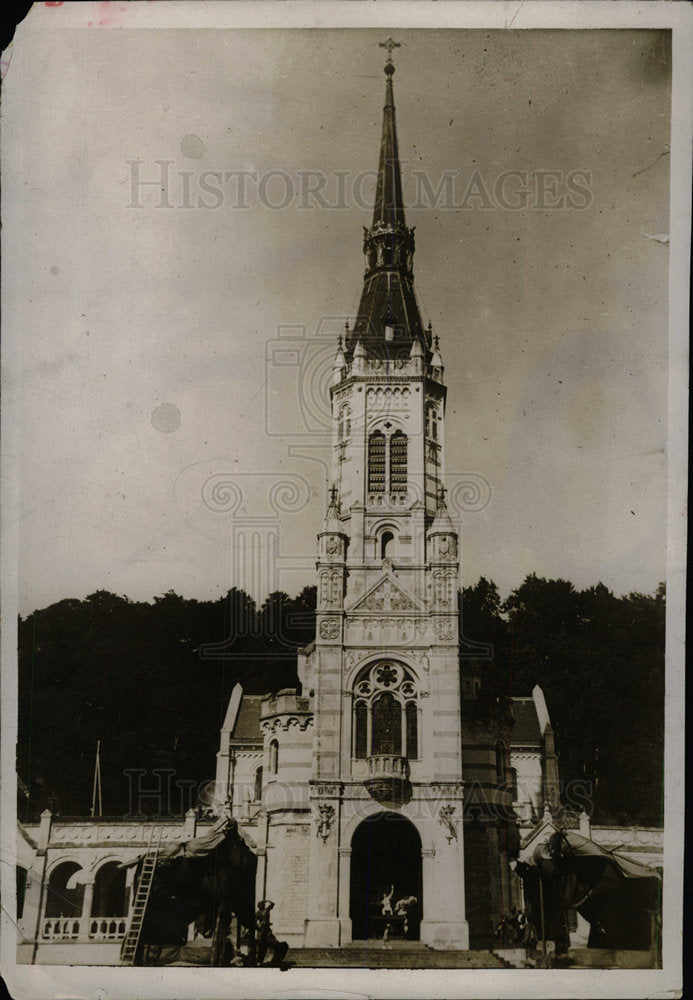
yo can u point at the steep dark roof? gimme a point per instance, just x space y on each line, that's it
526 729
247 726
392 292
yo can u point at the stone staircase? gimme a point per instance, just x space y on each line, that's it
397 955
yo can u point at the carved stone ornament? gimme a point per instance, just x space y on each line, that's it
330 588
387 596
334 789
445 818
447 788
325 820
329 628
444 629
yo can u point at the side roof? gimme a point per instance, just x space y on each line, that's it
242 721
531 718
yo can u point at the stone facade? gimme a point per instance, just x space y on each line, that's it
378 797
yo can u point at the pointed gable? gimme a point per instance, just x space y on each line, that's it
387 596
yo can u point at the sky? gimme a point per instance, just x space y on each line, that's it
142 347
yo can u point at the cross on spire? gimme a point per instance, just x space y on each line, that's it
389 45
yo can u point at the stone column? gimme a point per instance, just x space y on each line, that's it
323 924
444 923
87 902
344 895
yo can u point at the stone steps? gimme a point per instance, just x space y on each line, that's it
400 955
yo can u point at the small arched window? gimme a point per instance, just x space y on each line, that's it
387 545
258 784
513 780
411 715
360 730
273 757
344 422
376 462
21 889
432 419
500 763
398 462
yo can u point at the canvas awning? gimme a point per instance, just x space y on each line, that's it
204 880
617 895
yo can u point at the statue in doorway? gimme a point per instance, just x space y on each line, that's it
404 908
386 902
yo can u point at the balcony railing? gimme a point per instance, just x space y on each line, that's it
388 778
84 928
108 928
61 928
390 765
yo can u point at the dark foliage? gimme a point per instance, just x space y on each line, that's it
152 682
600 662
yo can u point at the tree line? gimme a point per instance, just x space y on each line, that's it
152 681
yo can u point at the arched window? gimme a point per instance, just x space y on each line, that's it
398 462
376 462
258 784
432 419
513 779
500 762
273 756
360 730
344 423
61 901
387 545
387 725
109 891
385 717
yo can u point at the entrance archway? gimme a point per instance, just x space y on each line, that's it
386 861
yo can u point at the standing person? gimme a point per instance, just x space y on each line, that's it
386 902
263 929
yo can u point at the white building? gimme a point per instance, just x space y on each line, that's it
383 778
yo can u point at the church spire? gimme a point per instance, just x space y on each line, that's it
389 205
388 319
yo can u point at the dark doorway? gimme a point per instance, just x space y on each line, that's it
386 875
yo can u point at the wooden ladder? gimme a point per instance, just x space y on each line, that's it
128 951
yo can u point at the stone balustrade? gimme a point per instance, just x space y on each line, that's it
388 765
84 928
61 928
108 928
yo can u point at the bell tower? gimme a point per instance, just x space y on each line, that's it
383 673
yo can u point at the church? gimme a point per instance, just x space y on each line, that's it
390 794
364 770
